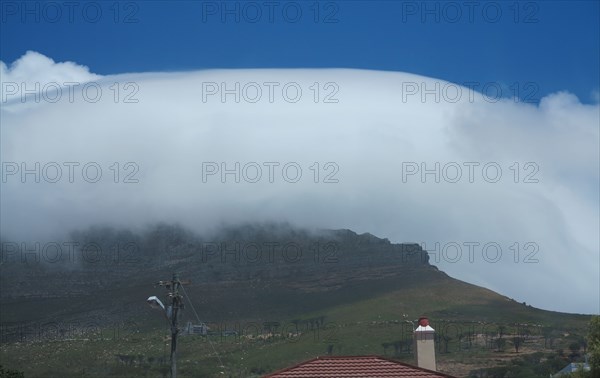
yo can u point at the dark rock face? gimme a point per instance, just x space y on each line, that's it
239 271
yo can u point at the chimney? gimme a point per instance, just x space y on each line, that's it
424 345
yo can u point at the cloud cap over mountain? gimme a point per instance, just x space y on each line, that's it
507 190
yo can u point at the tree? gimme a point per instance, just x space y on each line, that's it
321 320
574 347
517 342
501 329
446 340
593 342
500 344
460 338
10 373
469 335
397 347
550 336
385 347
519 337
296 322
583 342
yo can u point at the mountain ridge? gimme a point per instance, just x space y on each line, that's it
352 292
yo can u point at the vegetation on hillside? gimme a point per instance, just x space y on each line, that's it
355 298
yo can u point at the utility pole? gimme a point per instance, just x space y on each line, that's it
176 305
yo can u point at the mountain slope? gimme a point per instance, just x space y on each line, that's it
281 294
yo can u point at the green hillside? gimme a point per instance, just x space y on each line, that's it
92 320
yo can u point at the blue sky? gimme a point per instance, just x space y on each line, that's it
553 44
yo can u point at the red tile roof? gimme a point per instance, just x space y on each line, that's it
354 367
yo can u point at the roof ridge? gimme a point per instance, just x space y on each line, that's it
289 371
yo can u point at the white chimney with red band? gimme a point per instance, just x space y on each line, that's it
425 345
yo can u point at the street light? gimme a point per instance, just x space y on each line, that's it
154 302
171 314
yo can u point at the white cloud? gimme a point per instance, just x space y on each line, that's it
372 129
36 72
34 66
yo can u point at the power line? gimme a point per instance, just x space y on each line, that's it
198 318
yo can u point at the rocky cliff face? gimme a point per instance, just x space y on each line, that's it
238 270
